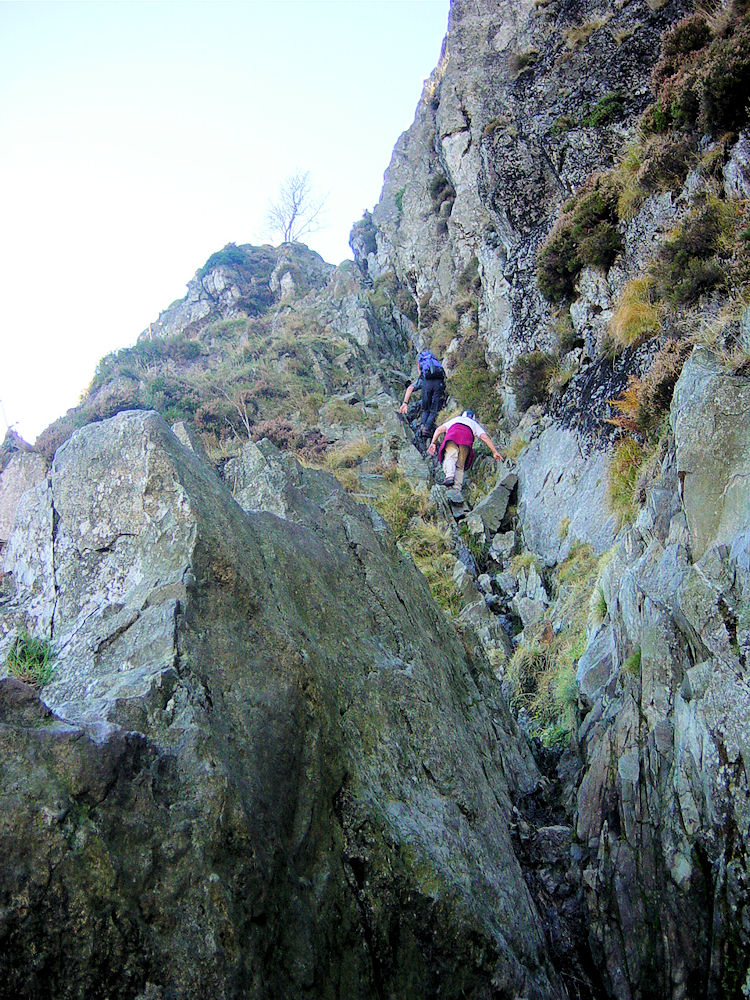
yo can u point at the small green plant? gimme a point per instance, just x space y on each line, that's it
30 659
597 606
607 109
398 199
632 665
479 550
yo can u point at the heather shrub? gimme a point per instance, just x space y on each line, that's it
59 432
666 163
685 267
703 77
688 35
529 378
584 234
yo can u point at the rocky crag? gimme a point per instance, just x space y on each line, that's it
272 756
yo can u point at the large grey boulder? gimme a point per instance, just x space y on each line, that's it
562 482
491 510
266 765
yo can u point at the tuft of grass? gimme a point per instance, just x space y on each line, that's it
637 317
514 449
519 62
597 606
30 659
340 412
525 560
628 458
656 388
626 176
473 381
349 479
408 512
542 672
346 456
444 331
578 36
399 504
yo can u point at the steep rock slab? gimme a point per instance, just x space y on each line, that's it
562 482
664 804
266 767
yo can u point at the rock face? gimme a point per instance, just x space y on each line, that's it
663 804
23 471
265 766
503 134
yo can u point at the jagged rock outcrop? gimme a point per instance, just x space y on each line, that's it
504 132
663 801
242 281
265 766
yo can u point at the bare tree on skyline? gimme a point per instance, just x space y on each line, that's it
296 211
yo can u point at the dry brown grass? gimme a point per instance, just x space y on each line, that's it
576 37
637 317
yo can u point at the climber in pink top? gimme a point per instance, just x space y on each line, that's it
457 450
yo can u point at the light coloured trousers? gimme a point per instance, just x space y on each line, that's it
454 460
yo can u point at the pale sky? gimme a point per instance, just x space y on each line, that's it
137 138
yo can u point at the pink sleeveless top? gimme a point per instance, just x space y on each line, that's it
461 434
